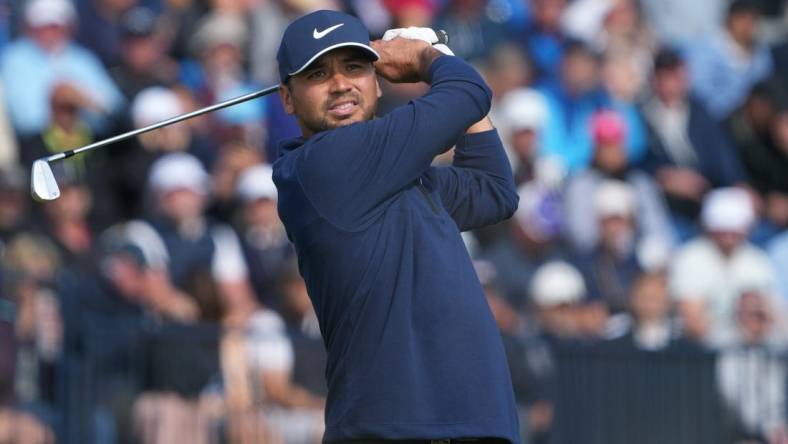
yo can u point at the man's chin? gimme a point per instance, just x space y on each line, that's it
345 122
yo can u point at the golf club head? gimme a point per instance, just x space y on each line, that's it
42 182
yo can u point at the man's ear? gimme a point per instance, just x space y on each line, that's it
287 98
377 86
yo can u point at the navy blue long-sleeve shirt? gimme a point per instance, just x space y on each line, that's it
413 349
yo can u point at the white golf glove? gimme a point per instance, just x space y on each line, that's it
414 33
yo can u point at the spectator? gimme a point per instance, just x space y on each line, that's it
751 373
219 46
133 163
571 104
263 239
31 264
506 70
111 311
32 64
303 329
66 222
104 18
558 293
725 67
66 129
268 24
610 161
179 240
257 371
649 325
611 265
760 130
234 158
612 26
710 271
688 152
543 40
520 116
143 60
677 22
533 240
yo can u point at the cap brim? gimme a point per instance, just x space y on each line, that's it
331 48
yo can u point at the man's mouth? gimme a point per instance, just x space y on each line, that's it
343 108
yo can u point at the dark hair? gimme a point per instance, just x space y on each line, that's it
744 6
668 58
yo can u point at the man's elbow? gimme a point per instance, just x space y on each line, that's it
511 202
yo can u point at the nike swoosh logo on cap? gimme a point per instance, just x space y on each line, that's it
320 34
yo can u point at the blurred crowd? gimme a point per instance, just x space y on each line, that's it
158 299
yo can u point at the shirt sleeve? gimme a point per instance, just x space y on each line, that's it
349 172
478 189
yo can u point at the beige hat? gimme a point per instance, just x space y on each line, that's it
217 29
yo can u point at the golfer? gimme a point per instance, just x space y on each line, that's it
413 351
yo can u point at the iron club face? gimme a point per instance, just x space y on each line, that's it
42 182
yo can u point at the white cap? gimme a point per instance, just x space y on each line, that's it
614 198
178 171
653 253
728 209
155 104
256 182
556 283
49 12
524 108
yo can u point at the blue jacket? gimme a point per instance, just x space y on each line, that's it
413 349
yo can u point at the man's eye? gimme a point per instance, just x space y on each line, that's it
356 67
316 75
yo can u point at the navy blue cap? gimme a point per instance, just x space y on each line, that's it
313 35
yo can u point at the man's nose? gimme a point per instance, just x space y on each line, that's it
340 82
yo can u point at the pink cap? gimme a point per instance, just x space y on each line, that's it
608 127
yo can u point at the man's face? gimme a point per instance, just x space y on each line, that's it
610 157
181 204
754 316
50 37
742 27
671 84
727 241
579 72
338 89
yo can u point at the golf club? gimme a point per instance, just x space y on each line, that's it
42 182
43 185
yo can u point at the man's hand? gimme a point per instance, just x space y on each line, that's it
404 60
682 182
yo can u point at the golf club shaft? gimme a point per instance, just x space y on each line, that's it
176 119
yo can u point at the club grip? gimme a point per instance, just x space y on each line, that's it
443 37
